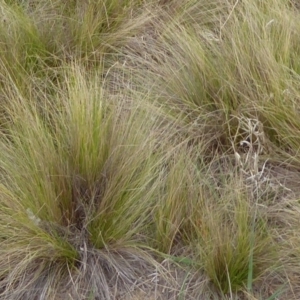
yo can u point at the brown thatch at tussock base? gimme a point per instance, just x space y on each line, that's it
149 149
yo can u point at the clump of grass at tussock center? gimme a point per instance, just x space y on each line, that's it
149 149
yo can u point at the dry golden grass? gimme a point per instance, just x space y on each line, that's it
149 149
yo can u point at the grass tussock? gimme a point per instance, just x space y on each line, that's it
149 149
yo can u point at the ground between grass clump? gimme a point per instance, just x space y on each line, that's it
149 149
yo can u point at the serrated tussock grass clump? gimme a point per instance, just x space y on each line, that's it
177 199
81 182
85 30
233 242
241 64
